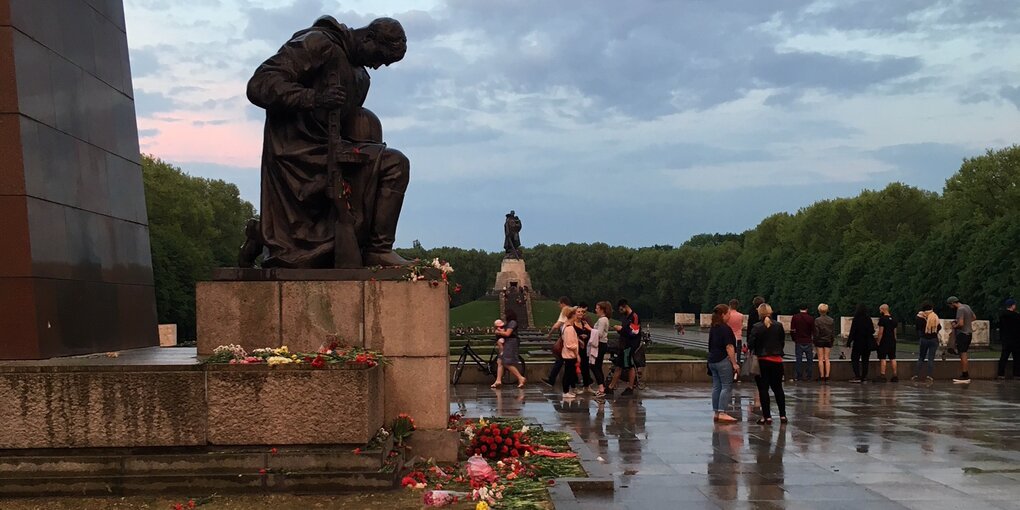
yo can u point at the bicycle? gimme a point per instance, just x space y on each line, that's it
489 367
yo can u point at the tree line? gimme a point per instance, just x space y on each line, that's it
900 245
195 225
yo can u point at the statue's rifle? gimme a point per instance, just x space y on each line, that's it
346 249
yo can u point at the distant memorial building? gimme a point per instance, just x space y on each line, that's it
513 285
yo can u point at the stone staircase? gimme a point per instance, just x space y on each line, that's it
195 472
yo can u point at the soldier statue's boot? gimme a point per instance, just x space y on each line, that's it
384 230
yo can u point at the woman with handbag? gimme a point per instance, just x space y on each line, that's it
722 362
767 341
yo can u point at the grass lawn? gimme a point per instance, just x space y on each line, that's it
481 314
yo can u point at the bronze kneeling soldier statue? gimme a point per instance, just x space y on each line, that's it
331 189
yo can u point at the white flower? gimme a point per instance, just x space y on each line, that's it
525 429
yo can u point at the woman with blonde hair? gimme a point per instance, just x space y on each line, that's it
824 337
928 327
766 341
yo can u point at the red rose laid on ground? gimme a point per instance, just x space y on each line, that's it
493 442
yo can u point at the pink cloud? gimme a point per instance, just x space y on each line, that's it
195 137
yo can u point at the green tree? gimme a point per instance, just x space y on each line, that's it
195 225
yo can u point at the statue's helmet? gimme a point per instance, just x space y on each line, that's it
362 126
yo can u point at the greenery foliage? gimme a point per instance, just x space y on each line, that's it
195 224
900 245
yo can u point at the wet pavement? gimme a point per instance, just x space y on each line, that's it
879 446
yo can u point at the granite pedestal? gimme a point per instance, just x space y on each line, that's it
408 322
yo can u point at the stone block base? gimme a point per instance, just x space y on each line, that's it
72 408
258 405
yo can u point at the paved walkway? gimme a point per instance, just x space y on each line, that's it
872 447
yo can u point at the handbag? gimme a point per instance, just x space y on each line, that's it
558 347
750 366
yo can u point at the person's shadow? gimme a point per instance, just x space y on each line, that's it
723 467
766 482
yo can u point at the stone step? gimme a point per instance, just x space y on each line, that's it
16 464
198 484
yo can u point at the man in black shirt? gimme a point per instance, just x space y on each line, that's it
1009 334
630 338
887 342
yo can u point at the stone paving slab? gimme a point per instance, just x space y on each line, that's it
881 446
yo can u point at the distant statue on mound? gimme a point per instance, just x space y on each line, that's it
512 233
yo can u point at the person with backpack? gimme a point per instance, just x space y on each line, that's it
630 341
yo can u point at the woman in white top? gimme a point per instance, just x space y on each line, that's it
597 345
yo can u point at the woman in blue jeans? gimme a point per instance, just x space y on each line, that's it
722 362
928 327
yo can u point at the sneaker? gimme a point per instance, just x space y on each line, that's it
641 385
1000 378
628 391
963 379
569 395
913 378
895 379
855 381
929 380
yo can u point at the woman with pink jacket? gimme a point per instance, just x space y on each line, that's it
571 348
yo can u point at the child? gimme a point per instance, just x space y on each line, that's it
499 340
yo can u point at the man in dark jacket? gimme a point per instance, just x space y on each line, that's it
802 328
319 71
1009 334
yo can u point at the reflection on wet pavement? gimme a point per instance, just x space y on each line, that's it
882 446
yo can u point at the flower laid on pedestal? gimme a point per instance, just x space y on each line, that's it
331 354
427 271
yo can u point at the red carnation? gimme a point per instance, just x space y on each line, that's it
509 442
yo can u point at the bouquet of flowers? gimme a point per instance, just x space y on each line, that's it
492 442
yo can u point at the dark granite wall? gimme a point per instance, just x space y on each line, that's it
75 265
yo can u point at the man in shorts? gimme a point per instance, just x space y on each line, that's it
963 328
887 342
630 340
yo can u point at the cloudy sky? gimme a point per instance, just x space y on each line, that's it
632 123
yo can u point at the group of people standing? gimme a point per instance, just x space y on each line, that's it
766 340
582 348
